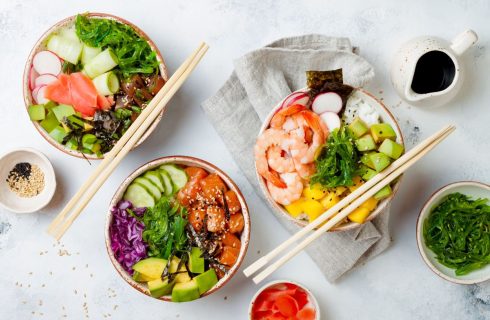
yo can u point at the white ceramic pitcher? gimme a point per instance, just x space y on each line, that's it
414 55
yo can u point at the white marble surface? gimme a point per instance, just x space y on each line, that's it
40 280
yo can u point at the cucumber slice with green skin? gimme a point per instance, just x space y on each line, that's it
139 196
101 63
107 83
167 183
177 175
88 53
155 178
148 185
66 48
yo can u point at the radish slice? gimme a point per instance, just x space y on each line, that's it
327 102
331 119
32 77
47 62
296 98
38 95
44 79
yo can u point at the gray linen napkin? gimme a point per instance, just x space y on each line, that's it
261 79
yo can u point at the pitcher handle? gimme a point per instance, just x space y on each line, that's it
463 41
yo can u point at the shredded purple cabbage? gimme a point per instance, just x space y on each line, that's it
126 235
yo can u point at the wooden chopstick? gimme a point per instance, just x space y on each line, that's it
354 199
125 144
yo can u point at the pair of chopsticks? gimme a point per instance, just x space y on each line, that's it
341 210
63 221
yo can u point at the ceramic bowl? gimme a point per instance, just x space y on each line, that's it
9 199
469 188
311 297
386 116
186 161
41 45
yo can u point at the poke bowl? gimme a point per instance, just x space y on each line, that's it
189 229
321 143
86 81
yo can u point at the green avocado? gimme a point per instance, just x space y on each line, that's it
150 268
36 112
50 122
366 173
182 275
391 149
196 261
139 277
382 131
63 110
206 280
58 134
385 192
380 161
358 127
365 143
186 291
159 287
366 160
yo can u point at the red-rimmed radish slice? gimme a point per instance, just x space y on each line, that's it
45 79
47 62
296 98
38 95
32 77
331 119
327 102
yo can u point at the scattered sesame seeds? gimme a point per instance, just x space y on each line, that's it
26 180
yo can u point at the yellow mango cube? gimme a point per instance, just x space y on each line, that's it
295 208
312 209
359 215
330 200
314 192
357 183
370 204
340 190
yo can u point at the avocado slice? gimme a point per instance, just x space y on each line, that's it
358 127
385 192
50 122
151 268
72 144
380 161
186 291
63 110
196 261
58 134
140 277
159 287
366 173
36 112
366 160
148 185
382 131
181 275
365 143
391 149
206 280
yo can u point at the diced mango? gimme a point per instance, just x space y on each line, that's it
357 183
370 204
330 200
340 190
359 215
295 208
313 209
314 192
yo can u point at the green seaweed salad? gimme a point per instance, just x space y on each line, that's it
458 232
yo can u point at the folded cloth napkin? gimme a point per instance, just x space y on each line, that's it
261 79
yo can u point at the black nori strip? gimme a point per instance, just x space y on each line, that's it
316 79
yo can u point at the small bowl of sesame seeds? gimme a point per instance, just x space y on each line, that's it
27 180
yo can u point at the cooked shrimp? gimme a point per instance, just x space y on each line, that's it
280 117
298 149
269 138
279 160
291 193
311 121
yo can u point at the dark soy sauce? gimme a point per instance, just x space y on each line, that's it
434 72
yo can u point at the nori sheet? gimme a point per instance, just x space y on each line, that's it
327 81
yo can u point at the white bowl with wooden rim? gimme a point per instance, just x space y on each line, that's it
41 45
386 117
472 189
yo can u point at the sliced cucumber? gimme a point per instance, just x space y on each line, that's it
154 177
107 83
148 185
167 183
88 53
138 196
101 63
177 175
66 48
69 33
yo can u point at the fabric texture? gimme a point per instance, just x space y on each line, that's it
261 79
